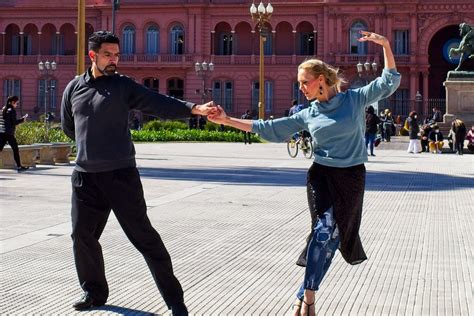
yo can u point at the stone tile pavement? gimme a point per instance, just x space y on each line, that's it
234 218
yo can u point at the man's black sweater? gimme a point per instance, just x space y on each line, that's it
94 112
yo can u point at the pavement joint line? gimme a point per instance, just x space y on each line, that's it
34 237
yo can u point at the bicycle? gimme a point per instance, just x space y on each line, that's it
303 143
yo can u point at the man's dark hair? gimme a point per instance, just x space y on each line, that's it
99 37
294 102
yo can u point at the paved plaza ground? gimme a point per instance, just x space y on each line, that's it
234 218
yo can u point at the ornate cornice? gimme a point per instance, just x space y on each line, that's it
447 7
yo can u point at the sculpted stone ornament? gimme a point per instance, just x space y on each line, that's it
466 47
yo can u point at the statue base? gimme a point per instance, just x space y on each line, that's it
460 97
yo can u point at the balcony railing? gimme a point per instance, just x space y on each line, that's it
188 59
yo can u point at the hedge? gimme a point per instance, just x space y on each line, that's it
171 131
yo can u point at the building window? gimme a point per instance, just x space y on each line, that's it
152 83
268 96
306 46
57 45
177 40
401 42
16 45
268 44
226 44
47 95
356 47
223 94
128 40
176 88
298 95
152 40
11 87
27 44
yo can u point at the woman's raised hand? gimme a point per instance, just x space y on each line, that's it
389 60
373 37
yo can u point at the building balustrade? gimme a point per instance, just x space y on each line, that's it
188 59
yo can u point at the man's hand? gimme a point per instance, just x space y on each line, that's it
204 109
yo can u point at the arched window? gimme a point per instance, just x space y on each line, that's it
307 43
152 40
175 88
177 40
268 44
356 47
152 83
128 40
226 43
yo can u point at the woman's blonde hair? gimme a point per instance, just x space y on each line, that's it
318 67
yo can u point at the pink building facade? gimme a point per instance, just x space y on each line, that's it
162 40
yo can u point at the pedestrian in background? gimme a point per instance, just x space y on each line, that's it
371 126
7 133
247 135
459 129
413 131
336 180
94 113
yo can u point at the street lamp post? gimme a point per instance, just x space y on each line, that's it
46 69
367 71
202 71
419 102
261 15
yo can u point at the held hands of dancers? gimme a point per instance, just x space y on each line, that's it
204 109
218 115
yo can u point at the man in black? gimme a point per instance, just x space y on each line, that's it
94 112
247 135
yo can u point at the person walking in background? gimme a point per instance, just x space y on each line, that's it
292 110
247 135
336 180
94 112
371 125
7 133
413 130
459 129
436 140
388 125
470 139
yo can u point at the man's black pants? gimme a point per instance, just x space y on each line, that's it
93 196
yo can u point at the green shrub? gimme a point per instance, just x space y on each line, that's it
210 126
190 135
157 125
35 132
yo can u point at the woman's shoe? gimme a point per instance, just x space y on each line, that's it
21 169
297 307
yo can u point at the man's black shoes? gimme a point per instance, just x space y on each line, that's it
86 302
21 169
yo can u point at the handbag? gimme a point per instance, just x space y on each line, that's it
377 141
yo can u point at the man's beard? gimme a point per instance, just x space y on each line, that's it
108 70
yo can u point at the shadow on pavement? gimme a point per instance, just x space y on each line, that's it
415 181
376 180
124 311
245 175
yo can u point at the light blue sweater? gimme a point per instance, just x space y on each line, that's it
337 126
